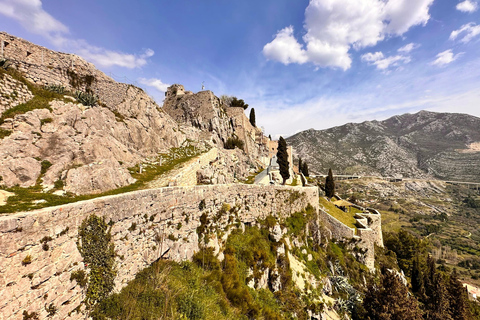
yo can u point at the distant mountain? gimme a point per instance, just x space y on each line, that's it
424 144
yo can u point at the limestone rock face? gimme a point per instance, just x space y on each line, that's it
22 172
207 112
97 177
92 142
230 166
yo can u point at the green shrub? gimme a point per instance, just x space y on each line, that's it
45 165
28 316
80 277
51 310
206 259
86 98
27 260
233 142
58 88
133 227
58 184
46 120
97 249
4 133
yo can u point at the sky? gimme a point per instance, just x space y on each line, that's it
300 63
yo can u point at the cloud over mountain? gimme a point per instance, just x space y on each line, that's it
334 27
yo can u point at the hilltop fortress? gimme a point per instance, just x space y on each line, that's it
67 148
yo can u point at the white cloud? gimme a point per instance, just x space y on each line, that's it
155 83
446 57
107 58
31 15
409 47
467 6
470 30
401 15
382 62
334 27
285 48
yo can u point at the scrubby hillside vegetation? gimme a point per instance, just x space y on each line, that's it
263 276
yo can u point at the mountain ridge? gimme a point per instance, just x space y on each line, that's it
421 145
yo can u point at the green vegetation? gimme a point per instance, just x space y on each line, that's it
438 293
209 289
45 121
58 88
297 222
346 218
97 249
32 315
238 103
25 199
86 98
329 185
282 159
41 98
252 117
27 260
234 142
80 277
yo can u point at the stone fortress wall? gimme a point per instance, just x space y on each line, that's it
12 93
367 234
139 219
43 66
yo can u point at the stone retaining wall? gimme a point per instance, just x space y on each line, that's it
146 225
339 230
12 93
43 66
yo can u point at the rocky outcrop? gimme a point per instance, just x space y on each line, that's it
88 148
421 145
207 112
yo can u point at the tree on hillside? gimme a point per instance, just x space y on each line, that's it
252 117
238 103
270 137
305 169
459 306
390 300
329 185
436 304
300 165
282 159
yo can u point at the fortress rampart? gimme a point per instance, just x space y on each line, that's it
139 220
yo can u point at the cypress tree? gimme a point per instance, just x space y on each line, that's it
459 305
300 167
417 278
329 185
305 169
252 117
436 302
270 137
282 159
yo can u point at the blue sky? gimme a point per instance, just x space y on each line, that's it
301 64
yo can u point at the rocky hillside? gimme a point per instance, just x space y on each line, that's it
425 144
52 137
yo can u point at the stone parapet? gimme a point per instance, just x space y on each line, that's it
146 225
